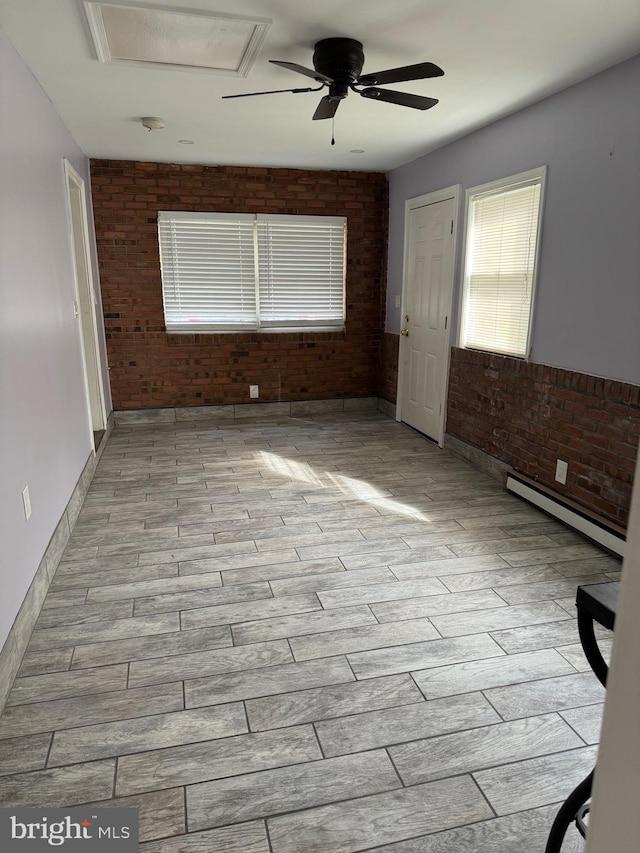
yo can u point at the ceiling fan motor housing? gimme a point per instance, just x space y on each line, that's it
341 59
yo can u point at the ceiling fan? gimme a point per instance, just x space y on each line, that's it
337 63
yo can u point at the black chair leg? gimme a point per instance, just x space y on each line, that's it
567 814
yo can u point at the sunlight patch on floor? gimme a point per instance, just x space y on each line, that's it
302 472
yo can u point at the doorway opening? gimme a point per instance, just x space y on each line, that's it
85 302
427 293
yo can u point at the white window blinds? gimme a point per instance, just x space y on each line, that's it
239 271
500 267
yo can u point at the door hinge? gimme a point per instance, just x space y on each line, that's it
452 226
446 320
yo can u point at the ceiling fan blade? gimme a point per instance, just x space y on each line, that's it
326 108
273 92
292 66
404 99
421 71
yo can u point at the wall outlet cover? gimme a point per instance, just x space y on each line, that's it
561 471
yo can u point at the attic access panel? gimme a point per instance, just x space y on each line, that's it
165 37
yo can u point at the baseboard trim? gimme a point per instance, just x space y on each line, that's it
590 524
596 528
481 460
387 408
22 628
231 412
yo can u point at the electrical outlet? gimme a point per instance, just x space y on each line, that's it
254 392
561 471
26 501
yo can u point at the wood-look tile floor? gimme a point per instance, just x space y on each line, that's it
318 635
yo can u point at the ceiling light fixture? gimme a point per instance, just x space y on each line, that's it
153 123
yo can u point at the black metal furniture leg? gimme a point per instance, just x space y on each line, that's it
586 630
595 603
567 814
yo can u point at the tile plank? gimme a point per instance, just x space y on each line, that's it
309 623
62 786
459 624
436 605
488 746
47 660
368 822
160 813
287 789
63 685
531 637
124 737
316 582
231 614
416 656
586 721
370 593
549 694
526 830
493 672
362 639
217 759
198 598
83 710
20 754
109 629
82 614
535 781
267 681
143 648
335 700
147 588
202 663
244 838
373 729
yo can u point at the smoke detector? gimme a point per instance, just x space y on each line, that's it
152 123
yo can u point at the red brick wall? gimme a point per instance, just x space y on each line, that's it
150 368
388 370
529 415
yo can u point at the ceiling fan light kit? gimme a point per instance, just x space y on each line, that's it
337 65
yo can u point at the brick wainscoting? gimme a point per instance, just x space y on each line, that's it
388 372
529 415
150 368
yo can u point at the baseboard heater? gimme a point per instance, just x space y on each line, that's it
609 535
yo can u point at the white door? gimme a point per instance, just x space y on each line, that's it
85 304
426 315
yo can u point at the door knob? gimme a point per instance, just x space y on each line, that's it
404 332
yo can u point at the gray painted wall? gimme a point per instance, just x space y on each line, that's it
44 426
588 301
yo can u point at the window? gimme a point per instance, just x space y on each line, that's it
502 239
226 271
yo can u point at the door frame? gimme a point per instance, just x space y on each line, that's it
453 192
72 177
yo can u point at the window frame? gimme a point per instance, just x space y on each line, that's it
261 325
522 179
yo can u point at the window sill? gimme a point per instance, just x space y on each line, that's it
175 338
275 330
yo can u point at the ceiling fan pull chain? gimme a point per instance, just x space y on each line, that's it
333 130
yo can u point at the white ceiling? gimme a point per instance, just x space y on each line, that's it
498 56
